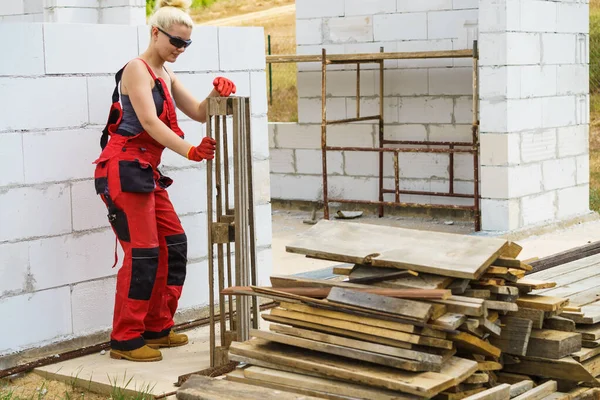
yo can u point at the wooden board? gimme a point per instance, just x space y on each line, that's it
204 388
348 352
517 389
366 329
534 284
428 384
535 316
500 305
450 320
512 250
590 343
478 377
474 344
539 392
458 286
337 331
433 359
459 256
586 353
406 308
500 392
422 281
380 323
559 324
238 376
463 305
592 365
591 315
589 332
514 336
544 303
553 344
322 385
566 369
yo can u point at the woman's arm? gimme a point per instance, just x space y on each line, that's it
190 106
139 88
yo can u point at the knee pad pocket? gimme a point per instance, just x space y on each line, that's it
144 264
177 256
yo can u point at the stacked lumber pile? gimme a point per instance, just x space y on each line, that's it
416 315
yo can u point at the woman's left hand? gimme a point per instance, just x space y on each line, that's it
224 86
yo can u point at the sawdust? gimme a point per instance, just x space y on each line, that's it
31 386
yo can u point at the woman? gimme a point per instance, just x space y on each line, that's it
150 281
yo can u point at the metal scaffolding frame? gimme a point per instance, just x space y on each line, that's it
230 225
426 146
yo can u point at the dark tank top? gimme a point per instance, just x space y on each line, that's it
130 124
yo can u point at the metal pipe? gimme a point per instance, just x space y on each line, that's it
451 170
396 179
324 131
394 204
209 213
357 90
428 143
270 72
476 143
381 135
422 193
399 150
345 121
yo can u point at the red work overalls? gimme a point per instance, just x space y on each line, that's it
150 281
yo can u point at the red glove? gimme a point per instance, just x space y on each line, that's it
224 86
206 150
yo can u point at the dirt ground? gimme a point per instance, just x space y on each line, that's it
32 386
229 8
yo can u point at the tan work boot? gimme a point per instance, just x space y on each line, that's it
171 340
144 353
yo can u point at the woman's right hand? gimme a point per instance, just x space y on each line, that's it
205 151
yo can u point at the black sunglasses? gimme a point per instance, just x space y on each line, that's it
175 41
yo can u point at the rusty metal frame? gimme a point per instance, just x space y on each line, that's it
421 146
229 223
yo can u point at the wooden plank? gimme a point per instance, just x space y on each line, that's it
506 377
568 256
491 327
356 354
488 366
423 357
590 343
478 377
238 376
450 320
296 58
367 329
337 331
474 344
380 323
422 281
534 284
322 385
496 270
589 332
553 344
544 303
539 392
500 392
592 365
511 290
586 353
535 316
503 261
566 369
321 293
458 396
501 305
204 388
514 336
517 389
559 324
427 384
342 270
512 250
406 308
432 252
477 293
591 315
462 305
458 286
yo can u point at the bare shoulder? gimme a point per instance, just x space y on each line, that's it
135 72
171 73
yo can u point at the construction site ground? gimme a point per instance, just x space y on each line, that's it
101 374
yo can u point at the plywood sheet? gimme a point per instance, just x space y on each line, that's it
459 256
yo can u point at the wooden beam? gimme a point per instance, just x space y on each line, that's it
553 344
352 58
539 392
500 392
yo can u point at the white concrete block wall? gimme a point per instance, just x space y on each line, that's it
56 245
534 112
424 99
119 12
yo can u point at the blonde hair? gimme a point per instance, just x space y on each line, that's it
171 12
